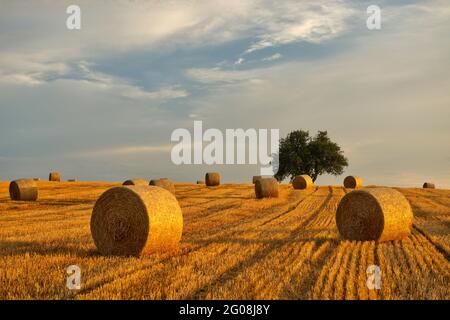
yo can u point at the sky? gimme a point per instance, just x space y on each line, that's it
100 103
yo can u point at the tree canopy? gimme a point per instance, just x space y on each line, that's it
302 154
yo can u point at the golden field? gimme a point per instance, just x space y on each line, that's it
233 247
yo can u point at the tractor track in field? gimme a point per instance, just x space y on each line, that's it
436 246
291 208
251 260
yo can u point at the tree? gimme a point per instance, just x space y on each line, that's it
302 154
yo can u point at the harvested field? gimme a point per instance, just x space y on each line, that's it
233 247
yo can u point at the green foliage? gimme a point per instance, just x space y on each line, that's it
302 154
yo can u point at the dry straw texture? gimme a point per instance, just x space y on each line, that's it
352 182
135 182
429 185
164 183
380 214
134 220
256 178
200 181
54 176
212 179
266 188
302 182
23 190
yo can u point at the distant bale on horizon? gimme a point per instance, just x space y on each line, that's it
266 188
302 182
380 214
135 182
429 185
163 183
23 190
353 182
54 176
256 178
212 179
37 179
135 220
200 181
72 180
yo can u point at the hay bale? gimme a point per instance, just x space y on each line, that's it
200 181
352 182
135 182
256 178
134 220
54 176
23 190
164 183
302 182
37 179
380 214
72 180
212 179
429 185
266 188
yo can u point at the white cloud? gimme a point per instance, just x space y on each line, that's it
125 89
32 73
28 70
292 21
19 79
221 76
161 25
43 50
273 57
239 61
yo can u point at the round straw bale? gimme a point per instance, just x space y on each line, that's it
135 182
302 182
164 183
212 179
255 178
72 180
200 181
380 214
23 190
352 182
54 176
429 185
266 188
37 179
134 220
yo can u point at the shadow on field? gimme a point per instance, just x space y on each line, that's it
65 202
49 202
271 242
223 197
17 248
